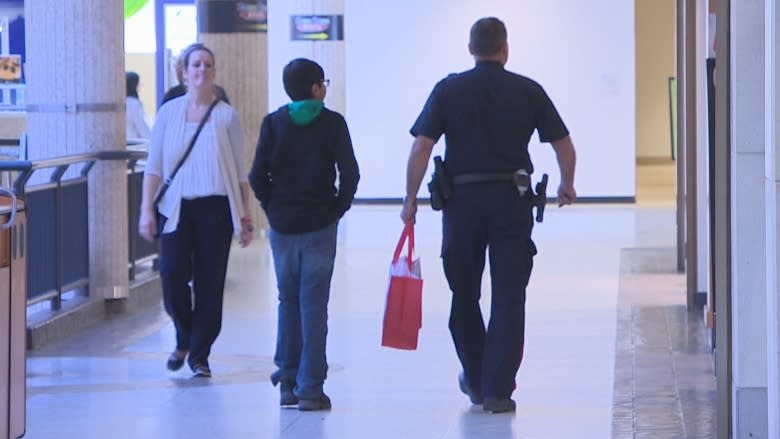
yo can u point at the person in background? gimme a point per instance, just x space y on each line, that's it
488 115
136 124
180 89
301 146
206 203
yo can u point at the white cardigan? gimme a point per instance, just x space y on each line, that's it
167 145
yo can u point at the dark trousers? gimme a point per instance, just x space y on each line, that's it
196 251
492 217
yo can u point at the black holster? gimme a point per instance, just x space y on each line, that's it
440 185
540 198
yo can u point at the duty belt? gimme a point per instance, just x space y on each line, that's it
519 178
482 178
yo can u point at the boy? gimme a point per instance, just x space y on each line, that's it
293 175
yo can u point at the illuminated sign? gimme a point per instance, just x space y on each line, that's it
233 16
317 27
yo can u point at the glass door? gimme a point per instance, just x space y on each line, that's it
176 29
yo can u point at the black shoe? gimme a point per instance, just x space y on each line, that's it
176 360
310 405
474 396
499 405
286 396
201 371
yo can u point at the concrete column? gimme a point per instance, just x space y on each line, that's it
330 54
75 97
242 69
748 221
772 186
721 224
702 159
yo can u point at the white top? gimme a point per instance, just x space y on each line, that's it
223 138
201 172
136 124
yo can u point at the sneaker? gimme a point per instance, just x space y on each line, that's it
475 397
498 405
309 405
286 396
201 371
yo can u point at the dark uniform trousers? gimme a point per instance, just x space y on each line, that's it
495 217
196 251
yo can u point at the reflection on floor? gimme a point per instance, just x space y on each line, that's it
111 381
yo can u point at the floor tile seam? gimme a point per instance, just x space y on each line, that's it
622 351
625 302
691 405
678 398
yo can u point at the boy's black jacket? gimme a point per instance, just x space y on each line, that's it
294 173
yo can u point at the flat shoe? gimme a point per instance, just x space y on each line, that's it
176 360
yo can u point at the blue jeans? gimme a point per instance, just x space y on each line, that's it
304 267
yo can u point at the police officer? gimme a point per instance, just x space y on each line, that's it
488 115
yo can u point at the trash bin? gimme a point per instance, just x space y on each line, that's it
13 315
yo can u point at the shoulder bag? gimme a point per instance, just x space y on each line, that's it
167 183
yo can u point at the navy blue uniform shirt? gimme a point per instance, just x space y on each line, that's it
488 115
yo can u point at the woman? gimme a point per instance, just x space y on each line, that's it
206 202
136 124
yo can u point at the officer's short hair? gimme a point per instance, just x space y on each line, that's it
298 77
487 36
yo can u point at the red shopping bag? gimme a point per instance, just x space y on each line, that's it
403 309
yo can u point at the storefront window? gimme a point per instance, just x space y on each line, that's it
12 55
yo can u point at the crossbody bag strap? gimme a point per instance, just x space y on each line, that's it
187 152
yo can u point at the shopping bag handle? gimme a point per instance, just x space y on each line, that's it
408 232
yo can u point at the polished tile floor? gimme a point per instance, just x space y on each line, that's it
111 381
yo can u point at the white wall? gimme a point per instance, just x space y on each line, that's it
582 52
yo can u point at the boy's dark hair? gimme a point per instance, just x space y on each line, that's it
298 77
487 36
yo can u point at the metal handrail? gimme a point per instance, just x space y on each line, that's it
59 167
26 167
9 142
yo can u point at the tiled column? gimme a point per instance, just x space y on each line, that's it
748 226
772 187
242 69
75 97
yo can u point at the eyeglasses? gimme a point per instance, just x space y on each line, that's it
326 82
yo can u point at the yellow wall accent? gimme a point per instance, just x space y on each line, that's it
655 63
144 65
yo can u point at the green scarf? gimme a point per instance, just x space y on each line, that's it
304 112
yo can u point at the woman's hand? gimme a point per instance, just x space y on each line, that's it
147 225
247 232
